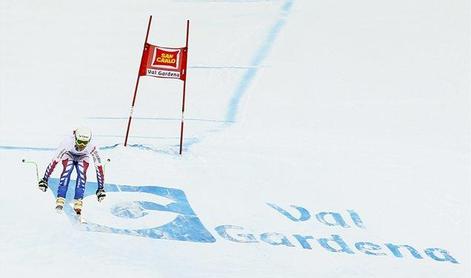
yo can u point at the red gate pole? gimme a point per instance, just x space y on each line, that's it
137 84
184 87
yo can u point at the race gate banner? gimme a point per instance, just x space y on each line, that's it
164 62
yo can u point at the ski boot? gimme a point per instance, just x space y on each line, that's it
78 206
60 201
78 211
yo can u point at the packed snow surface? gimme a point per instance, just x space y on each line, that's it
322 139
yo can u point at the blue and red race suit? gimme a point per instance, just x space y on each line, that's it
71 158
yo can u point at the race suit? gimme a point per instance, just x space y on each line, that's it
71 158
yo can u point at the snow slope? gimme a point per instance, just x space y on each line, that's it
321 138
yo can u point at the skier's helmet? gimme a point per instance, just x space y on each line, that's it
82 136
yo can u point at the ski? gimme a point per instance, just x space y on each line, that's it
79 217
59 209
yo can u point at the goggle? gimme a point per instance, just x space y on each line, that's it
81 143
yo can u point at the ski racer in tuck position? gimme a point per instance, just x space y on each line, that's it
74 152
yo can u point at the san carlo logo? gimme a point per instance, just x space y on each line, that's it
148 211
165 213
165 57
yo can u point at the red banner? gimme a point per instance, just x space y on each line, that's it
164 62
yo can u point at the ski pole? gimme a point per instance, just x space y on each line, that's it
35 165
106 163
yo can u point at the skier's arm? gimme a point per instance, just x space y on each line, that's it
100 175
50 168
57 157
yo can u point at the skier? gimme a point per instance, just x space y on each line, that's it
74 152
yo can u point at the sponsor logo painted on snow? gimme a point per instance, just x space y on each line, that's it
148 211
165 213
333 243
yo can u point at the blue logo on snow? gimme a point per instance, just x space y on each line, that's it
148 211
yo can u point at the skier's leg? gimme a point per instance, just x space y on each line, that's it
68 166
81 167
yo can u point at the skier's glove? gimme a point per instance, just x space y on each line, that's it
100 194
42 185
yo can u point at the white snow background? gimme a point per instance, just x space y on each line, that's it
329 106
